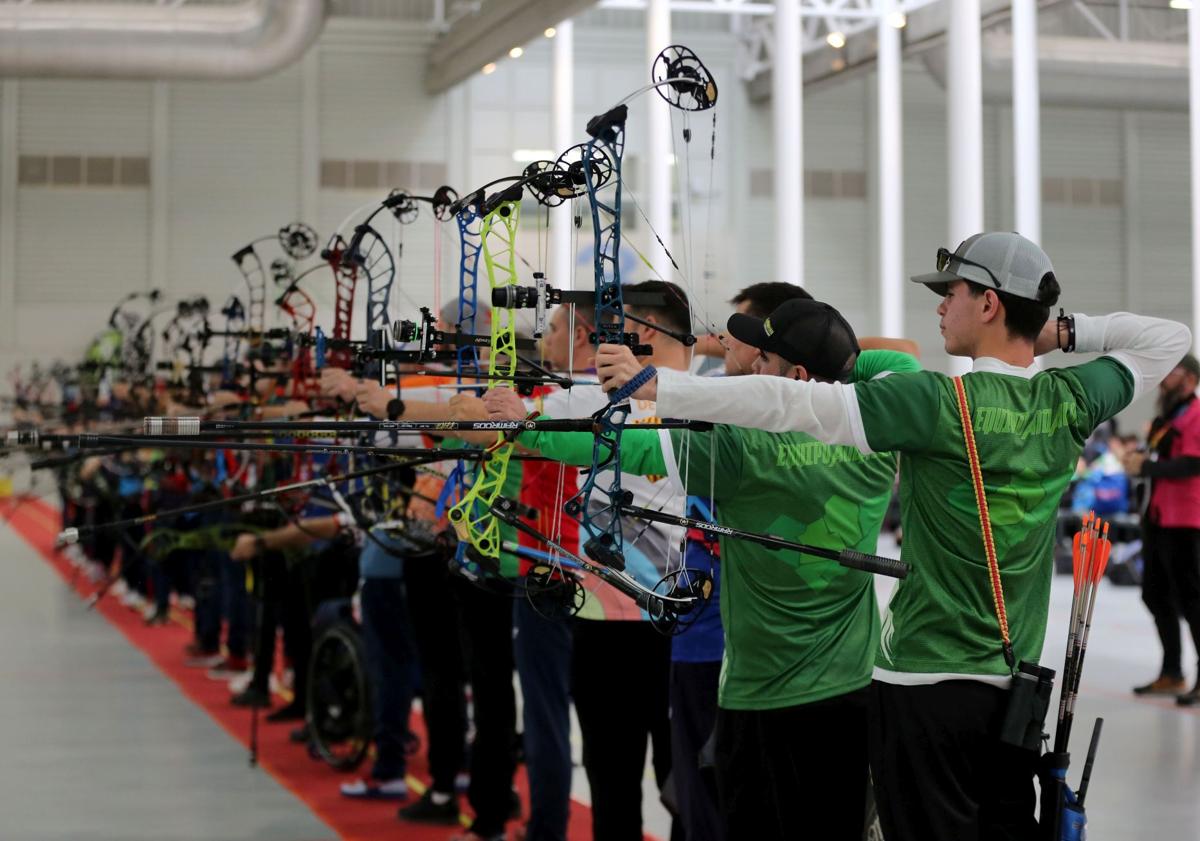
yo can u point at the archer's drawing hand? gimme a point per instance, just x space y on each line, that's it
504 404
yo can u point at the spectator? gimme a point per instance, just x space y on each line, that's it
1171 527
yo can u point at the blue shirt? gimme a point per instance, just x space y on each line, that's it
704 640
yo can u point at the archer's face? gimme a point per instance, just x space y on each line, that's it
960 318
556 344
739 356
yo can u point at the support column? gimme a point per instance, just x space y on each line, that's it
891 176
9 159
964 131
658 144
787 107
1194 121
310 136
160 188
1027 160
562 257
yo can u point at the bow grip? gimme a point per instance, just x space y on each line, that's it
873 563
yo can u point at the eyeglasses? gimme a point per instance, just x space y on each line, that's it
945 256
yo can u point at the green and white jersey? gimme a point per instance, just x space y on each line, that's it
798 629
1030 427
1030 432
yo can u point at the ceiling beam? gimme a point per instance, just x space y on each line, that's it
476 39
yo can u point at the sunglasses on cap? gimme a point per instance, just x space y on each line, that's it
945 256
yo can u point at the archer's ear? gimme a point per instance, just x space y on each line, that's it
799 372
992 308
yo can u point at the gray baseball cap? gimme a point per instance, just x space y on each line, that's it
998 260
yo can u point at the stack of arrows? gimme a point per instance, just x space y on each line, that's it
1090 556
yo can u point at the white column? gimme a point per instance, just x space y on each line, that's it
9 163
891 177
562 258
1194 119
964 122
964 131
310 137
160 177
658 143
787 110
1027 161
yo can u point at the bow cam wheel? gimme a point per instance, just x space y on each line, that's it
692 87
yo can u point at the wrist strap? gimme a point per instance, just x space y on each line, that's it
985 522
1067 321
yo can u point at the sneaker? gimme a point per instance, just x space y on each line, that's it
395 789
1162 685
301 735
426 810
289 712
132 599
153 616
206 661
195 649
186 603
251 696
1189 699
228 667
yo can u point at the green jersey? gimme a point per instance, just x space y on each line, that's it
798 629
1029 431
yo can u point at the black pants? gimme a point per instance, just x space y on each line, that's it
1171 588
940 770
441 606
693 719
487 621
619 679
434 613
285 599
795 772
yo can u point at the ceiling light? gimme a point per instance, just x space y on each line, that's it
550 32
898 20
489 68
516 52
836 40
1181 5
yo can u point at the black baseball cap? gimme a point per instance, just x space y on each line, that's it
804 332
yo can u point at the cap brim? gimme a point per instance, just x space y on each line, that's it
936 281
747 329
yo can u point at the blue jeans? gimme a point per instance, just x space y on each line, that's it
391 666
543 653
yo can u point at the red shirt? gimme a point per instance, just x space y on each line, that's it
545 486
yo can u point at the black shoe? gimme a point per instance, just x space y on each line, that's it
300 736
426 811
1189 699
291 712
251 696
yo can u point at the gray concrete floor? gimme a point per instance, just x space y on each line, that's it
96 744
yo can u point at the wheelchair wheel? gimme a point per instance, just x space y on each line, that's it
339 702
